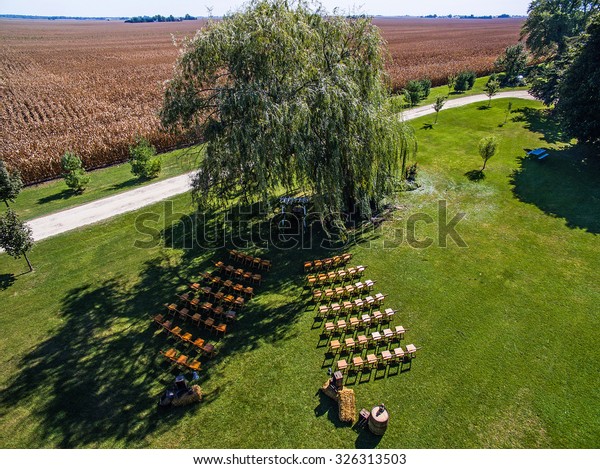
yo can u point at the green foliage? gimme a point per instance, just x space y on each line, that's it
413 92
416 90
15 236
143 160
550 24
465 81
487 149
425 87
491 89
549 29
514 63
438 105
73 172
10 184
578 103
451 83
293 98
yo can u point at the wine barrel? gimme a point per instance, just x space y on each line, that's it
378 421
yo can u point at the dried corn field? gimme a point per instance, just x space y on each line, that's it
92 87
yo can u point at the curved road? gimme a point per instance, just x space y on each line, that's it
93 212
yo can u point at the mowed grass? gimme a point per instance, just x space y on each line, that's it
507 324
43 199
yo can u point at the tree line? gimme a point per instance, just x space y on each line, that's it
159 19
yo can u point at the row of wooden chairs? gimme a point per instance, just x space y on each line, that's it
217 311
181 360
218 294
241 274
363 322
335 276
250 261
247 278
347 291
348 307
386 357
216 283
328 263
187 337
219 300
365 341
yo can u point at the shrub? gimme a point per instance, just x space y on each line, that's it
465 81
425 87
10 184
143 160
73 172
413 92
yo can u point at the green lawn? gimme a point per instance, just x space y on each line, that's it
52 196
508 325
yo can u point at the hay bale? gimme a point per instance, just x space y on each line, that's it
328 390
347 404
194 395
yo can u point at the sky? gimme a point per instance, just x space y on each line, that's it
127 8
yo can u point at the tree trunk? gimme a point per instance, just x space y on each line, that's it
28 262
6 202
484 163
436 116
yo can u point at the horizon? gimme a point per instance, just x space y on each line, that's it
179 8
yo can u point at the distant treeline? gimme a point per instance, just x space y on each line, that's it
159 19
469 17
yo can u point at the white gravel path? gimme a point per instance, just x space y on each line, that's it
102 209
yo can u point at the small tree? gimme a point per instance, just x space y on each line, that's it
10 184
413 92
74 173
425 87
15 236
487 149
465 81
451 83
514 63
438 105
143 160
491 89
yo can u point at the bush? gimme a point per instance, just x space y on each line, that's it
74 173
425 87
413 92
143 160
465 81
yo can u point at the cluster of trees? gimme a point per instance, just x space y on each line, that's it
285 96
159 19
15 236
564 38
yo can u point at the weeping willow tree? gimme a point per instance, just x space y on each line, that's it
286 96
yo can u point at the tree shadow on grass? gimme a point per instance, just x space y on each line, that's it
6 281
95 381
62 195
563 185
132 182
475 175
541 121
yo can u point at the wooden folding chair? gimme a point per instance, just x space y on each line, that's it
208 349
342 365
265 265
308 265
159 319
193 365
362 340
334 345
220 329
257 278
